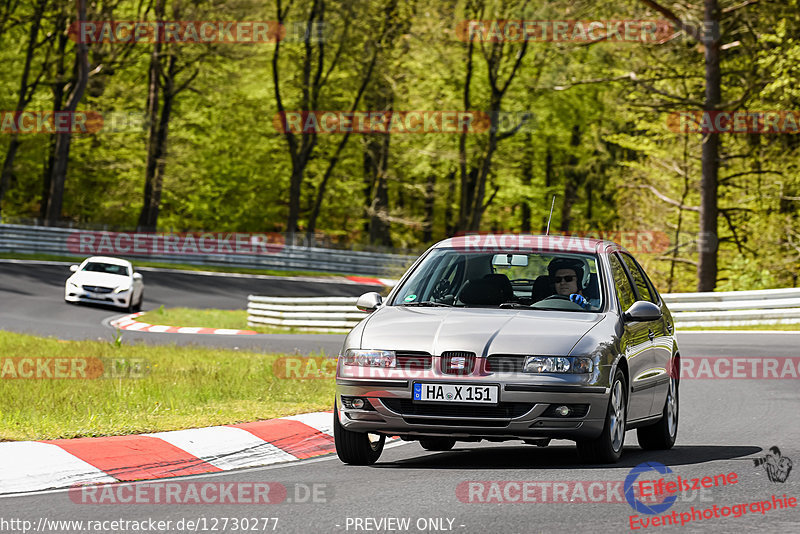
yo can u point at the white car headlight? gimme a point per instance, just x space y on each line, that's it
122 289
370 358
72 284
557 364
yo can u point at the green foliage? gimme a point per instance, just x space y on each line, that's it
228 167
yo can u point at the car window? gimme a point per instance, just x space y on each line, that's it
638 278
514 278
622 284
109 268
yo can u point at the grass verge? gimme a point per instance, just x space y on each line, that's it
184 387
233 319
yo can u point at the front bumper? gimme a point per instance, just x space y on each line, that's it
121 299
520 413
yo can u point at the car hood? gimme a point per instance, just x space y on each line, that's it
99 279
482 331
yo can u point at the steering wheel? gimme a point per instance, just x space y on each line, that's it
440 290
561 297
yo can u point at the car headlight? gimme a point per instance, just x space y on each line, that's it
557 364
370 358
73 285
122 289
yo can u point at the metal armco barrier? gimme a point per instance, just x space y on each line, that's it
338 314
24 239
730 308
735 308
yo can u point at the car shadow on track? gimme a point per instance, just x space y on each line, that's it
559 457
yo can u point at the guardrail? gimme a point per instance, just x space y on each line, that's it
728 308
735 308
23 239
336 314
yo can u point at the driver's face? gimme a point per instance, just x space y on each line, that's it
562 286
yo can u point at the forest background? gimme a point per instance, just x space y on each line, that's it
190 140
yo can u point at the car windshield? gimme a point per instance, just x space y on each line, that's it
109 268
535 280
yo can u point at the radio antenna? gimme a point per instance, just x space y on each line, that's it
547 232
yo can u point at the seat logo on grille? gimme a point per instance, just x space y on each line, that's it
458 362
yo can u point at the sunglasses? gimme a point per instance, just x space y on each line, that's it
568 278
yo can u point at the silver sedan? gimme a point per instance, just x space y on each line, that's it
527 338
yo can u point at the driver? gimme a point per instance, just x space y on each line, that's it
567 274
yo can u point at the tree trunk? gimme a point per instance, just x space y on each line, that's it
63 140
24 96
572 181
58 101
707 264
527 180
548 183
153 124
430 204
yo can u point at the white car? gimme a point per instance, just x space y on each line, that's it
105 280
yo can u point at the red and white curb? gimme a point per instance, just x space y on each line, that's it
38 465
129 322
373 281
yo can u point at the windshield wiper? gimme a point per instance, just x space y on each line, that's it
427 303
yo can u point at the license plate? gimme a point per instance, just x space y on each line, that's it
472 393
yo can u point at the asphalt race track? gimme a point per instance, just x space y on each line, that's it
32 301
724 425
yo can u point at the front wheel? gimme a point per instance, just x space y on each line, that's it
356 448
138 306
662 435
607 447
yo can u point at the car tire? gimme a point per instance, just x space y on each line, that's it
437 444
607 447
662 435
138 306
355 448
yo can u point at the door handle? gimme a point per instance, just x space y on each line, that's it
651 334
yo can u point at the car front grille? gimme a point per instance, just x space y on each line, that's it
505 363
98 289
506 410
413 360
458 362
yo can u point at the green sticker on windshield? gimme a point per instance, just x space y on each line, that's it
410 298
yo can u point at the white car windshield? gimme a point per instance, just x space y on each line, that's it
536 280
108 268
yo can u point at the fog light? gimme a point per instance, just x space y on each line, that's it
358 403
563 411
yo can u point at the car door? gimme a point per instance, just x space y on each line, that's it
663 344
653 377
635 343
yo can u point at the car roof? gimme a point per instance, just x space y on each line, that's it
530 242
108 259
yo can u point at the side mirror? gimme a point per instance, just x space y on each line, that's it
137 276
369 302
73 268
642 310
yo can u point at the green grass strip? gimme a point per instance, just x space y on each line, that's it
183 387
